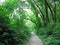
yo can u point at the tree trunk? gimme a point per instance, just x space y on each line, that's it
54 11
47 17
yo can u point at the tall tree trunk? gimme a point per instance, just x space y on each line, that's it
50 10
35 8
47 17
40 12
54 11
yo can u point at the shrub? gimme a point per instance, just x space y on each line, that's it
10 35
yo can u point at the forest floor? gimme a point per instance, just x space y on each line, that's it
34 40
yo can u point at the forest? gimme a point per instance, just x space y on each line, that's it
18 18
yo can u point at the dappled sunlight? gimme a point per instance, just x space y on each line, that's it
2 1
28 11
29 22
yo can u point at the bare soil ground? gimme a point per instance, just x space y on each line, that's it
34 40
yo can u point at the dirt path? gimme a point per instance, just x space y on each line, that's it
34 40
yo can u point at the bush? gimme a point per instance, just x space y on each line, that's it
11 36
50 35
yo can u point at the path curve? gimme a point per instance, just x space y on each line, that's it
34 40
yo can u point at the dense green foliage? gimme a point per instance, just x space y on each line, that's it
19 17
47 20
13 30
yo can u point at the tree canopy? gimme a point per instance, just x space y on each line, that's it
18 18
